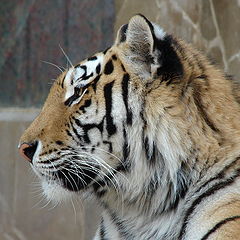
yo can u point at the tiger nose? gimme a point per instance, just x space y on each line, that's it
27 150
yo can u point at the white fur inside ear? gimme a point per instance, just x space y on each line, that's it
159 32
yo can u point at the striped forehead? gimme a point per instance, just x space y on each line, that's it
82 74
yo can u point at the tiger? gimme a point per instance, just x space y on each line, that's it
150 128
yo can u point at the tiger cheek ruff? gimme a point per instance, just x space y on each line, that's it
151 129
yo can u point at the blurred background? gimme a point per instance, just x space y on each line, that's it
30 33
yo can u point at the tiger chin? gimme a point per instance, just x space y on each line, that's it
151 129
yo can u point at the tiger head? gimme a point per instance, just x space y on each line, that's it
146 115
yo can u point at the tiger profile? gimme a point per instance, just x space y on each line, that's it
151 129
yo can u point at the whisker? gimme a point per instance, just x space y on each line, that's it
106 166
74 209
78 171
113 156
68 178
107 169
103 150
59 68
89 168
75 172
66 55
110 172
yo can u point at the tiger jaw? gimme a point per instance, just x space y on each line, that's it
54 192
62 175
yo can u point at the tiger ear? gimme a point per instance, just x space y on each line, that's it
140 37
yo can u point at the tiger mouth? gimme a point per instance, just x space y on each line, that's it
76 182
71 178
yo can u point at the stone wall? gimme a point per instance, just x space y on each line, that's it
213 26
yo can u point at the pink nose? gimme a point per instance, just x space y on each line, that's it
27 150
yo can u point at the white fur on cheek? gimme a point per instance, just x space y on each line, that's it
55 193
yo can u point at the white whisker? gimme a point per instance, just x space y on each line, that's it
59 68
66 55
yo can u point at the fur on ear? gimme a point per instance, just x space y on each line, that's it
149 50
140 36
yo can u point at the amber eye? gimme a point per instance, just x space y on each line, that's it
74 97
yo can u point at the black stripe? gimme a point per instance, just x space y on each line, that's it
204 195
86 104
105 51
219 176
92 58
108 67
126 151
182 186
102 230
125 97
121 226
85 136
219 225
58 142
123 68
86 128
85 77
151 158
94 82
110 148
201 108
111 128
69 134
100 193
74 97
79 137
98 68
114 57
50 161
202 76
62 84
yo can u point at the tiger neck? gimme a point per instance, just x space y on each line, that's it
133 223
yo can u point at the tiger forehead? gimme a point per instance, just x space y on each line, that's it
88 71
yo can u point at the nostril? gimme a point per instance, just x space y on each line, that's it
27 150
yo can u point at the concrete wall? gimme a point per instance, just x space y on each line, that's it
211 25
